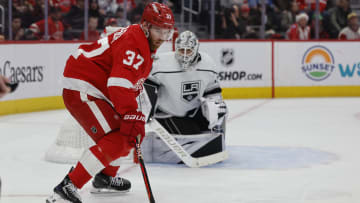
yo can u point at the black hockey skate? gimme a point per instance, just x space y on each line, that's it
66 190
104 184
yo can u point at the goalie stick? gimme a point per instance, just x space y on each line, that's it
181 152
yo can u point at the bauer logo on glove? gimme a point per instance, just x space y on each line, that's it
134 117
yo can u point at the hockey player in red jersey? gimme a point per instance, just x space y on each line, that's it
102 82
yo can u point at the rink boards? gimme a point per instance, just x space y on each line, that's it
247 69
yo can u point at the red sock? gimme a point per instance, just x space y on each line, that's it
79 176
110 170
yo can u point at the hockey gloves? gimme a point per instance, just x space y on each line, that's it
132 124
214 111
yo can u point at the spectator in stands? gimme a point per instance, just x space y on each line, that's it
289 16
338 17
323 34
255 15
111 22
37 13
129 5
93 33
135 14
352 31
110 25
3 88
94 10
331 4
64 5
234 25
246 21
273 23
256 3
300 30
310 5
30 35
282 4
75 18
107 7
17 29
120 21
23 8
56 27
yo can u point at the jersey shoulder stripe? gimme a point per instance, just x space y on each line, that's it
167 72
206 70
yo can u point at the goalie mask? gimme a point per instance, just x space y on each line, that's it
186 49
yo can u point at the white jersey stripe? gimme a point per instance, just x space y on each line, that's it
85 87
119 82
96 52
83 97
99 116
91 163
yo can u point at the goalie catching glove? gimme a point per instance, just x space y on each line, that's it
132 124
214 110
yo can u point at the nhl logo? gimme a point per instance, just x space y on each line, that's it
227 56
190 90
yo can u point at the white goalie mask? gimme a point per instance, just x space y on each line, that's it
186 48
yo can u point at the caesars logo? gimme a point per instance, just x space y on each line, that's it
227 56
318 63
23 73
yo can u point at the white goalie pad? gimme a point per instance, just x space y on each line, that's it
158 141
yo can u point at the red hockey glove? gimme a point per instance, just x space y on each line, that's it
132 124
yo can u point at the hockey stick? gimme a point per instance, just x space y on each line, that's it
143 170
182 153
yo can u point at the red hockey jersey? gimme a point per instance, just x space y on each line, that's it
113 68
295 32
303 4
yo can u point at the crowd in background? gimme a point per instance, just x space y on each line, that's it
288 19
234 19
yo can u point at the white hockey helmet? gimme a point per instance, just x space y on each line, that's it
186 48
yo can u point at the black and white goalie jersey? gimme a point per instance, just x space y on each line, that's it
180 90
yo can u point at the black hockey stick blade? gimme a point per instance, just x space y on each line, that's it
143 170
12 86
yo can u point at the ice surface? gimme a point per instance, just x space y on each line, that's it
281 151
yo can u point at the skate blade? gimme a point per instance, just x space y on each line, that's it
107 192
55 198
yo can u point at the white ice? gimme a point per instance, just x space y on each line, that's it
281 151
